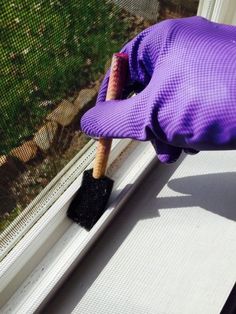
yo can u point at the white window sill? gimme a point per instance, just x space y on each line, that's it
170 250
50 250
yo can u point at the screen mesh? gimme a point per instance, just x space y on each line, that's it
53 56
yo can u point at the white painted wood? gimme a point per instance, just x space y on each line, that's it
37 288
205 8
225 12
221 11
75 242
171 249
29 251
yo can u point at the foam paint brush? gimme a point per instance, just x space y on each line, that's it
91 199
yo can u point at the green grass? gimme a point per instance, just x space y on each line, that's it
6 221
48 49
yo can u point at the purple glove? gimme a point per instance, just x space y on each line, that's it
184 71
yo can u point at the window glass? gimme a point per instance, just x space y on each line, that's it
53 56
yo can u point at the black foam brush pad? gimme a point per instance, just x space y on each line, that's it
90 201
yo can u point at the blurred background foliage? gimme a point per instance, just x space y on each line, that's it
48 49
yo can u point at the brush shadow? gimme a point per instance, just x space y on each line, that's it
214 192
198 191
113 238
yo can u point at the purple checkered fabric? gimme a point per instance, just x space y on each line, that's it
184 74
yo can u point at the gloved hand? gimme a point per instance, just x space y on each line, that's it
184 71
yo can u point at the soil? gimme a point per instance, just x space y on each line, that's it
36 174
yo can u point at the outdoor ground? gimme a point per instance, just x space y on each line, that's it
54 55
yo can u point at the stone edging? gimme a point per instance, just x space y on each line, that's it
62 116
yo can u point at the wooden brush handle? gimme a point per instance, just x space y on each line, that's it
119 66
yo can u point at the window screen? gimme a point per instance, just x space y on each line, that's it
53 56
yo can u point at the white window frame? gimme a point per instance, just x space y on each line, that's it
41 260
221 11
42 234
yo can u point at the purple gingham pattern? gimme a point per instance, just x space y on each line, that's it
184 74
